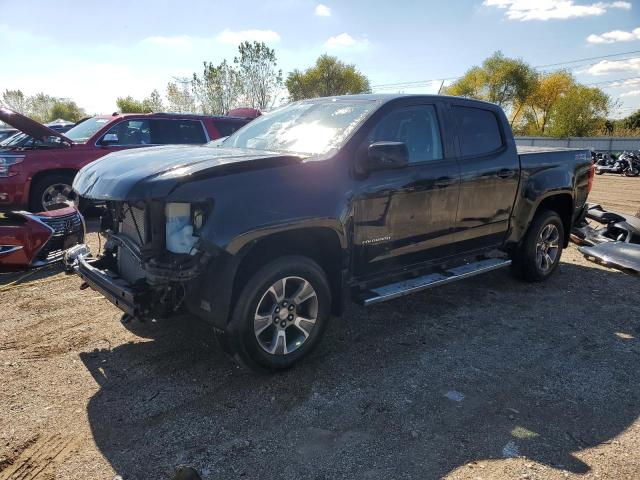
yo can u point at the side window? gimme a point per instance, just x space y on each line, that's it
130 132
227 127
177 131
478 130
417 127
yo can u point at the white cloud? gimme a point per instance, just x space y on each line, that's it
345 41
524 10
632 93
630 82
322 10
606 67
177 41
235 37
615 36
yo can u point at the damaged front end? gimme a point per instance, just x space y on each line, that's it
614 242
153 252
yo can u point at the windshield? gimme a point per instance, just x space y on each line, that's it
85 130
312 127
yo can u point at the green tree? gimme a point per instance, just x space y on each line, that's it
632 122
580 112
329 76
153 103
538 107
39 107
129 104
507 82
15 100
259 76
67 110
179 97
218 89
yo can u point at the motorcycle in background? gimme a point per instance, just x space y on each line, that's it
628 164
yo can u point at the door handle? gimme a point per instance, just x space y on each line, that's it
506 173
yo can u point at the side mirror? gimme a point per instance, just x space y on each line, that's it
109 139
386 156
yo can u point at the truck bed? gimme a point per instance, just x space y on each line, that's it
526 150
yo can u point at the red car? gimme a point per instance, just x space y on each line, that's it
36 239
38 175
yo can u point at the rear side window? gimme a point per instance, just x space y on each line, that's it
478 130
177 131
227 127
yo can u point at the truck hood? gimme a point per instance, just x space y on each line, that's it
29 126
153 172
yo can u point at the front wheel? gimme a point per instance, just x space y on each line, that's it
280 314
538 255
632 171
53 192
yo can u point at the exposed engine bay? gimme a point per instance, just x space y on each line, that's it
152 251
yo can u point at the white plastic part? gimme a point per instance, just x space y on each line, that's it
179 231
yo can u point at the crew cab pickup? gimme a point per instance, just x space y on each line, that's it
37 168
267 233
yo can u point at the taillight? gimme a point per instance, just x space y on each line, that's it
592 174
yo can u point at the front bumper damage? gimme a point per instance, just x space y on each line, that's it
160 293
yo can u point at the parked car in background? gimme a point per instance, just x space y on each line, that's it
20 139
368 197
7 132
37 239
38 174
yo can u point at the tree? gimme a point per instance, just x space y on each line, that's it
218 89
579 112
507 82
39 107
129 104
329 76
179 98
15 100
632 122
259 77
67 110
539 105
153 103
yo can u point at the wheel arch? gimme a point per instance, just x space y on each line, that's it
322 244
563 205
38 176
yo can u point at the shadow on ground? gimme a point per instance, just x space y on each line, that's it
413 388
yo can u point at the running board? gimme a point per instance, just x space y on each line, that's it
405 287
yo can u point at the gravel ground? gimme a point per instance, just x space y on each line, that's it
486 378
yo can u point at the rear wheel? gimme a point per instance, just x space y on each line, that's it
539 253
632 171
53 192
280 315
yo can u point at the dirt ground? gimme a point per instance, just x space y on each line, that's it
486 378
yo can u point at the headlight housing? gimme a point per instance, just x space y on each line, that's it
6 162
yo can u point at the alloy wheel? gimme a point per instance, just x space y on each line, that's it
286 315
59 195
547 247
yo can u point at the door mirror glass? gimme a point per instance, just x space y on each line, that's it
386 156
109 139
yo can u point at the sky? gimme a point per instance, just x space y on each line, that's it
94 52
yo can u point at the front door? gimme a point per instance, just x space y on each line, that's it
405 217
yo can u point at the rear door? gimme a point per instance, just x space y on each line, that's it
489 175
406 217
179 131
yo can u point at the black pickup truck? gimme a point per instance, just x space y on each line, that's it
266 233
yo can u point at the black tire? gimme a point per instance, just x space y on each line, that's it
39 187
526 265
632 172
240 337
